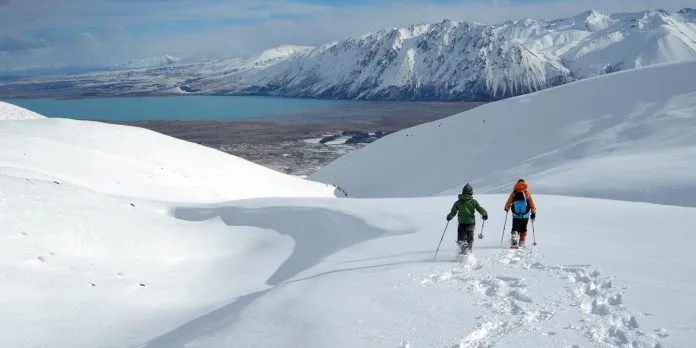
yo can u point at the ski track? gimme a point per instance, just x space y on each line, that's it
497 284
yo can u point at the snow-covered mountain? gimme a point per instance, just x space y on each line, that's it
443 61
464 60
278 53
145 63
212 76
638 125
449 60
123 237
228 76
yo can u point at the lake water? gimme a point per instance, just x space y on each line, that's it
175 107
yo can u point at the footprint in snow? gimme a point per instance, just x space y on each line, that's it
661 333
404 344
608 321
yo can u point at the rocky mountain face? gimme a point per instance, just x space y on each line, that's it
462 60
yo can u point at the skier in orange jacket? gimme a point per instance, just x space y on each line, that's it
523 208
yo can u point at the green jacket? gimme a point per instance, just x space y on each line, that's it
466 205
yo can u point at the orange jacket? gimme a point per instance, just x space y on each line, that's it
521 186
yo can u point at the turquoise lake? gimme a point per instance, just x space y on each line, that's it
174 107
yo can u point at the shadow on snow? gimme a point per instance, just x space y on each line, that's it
318 233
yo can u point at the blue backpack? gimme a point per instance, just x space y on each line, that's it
520 207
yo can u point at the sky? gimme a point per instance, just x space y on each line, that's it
87 33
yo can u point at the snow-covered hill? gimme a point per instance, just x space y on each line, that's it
13 112
135 162
636 127
120 237
449 60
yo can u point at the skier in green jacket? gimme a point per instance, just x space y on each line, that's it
466 205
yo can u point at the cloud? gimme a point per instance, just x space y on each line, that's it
11 44
45 41
108 31
324 24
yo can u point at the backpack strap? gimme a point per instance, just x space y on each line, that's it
526 201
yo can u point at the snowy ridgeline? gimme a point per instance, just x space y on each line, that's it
135 162
449 60
463 60
124 237
11 112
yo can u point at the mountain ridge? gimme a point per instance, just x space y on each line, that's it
453 60
444 61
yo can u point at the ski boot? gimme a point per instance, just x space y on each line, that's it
514 241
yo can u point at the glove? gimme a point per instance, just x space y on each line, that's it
485 217
533 216
449 217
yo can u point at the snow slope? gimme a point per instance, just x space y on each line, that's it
13 112
73 262
389 292
135 162
333 272
636 127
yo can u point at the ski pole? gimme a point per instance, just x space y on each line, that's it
443 236
504 225
533 234
480 236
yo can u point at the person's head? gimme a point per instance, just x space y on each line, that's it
521 185
467 190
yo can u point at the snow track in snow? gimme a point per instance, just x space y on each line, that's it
518 292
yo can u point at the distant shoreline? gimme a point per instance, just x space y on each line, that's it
236 108
5 97
33 87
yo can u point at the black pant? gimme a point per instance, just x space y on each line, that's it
465 232
519 224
